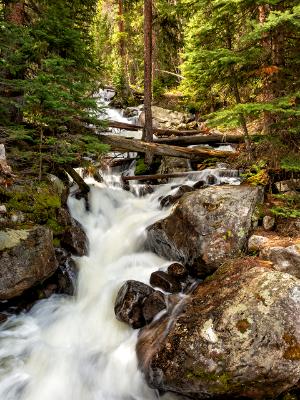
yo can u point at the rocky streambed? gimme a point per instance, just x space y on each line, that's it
209 284
233 333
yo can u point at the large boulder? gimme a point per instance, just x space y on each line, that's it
283 252
27 258
167 119
236 336
207 227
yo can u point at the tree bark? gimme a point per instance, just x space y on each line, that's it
203 139
121 30
15 12
148 130
119 143
83 187
157 131
236 93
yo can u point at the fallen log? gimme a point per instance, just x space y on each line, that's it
156 131
83 187
124 125
156 176
201 139
119 143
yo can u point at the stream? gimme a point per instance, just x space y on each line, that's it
73 348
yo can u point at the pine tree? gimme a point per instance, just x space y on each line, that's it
50 60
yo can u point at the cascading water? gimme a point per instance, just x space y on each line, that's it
73 348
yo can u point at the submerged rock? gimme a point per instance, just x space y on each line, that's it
171 199
27 258
129 303
165 282
207 227
236 336
74 238
153 305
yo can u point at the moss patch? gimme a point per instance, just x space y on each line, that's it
293 350
38 204
243 325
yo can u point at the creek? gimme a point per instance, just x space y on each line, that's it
73 348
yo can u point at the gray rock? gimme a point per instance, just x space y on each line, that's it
288 185
2 152
268 222
207 227
172 199
59 187
285 259
164 118
236 336
26 258
283 252
3 209
171 165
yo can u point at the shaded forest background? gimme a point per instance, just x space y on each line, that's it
234 64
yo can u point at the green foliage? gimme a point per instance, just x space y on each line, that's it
240 60
141 168
291 163
290 207
257 174
158 88
49 77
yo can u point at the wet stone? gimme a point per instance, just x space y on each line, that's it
145 189
153 305
199 185
177 271
129 303
211 180
165 282
171 199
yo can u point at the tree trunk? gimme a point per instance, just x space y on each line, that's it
266 43
148 130
236 92
119 143
15 12
121 31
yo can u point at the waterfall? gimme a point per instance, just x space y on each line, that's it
73 348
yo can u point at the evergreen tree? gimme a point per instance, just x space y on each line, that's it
49 60
241 58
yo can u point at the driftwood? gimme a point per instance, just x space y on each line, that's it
122 144
201 139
